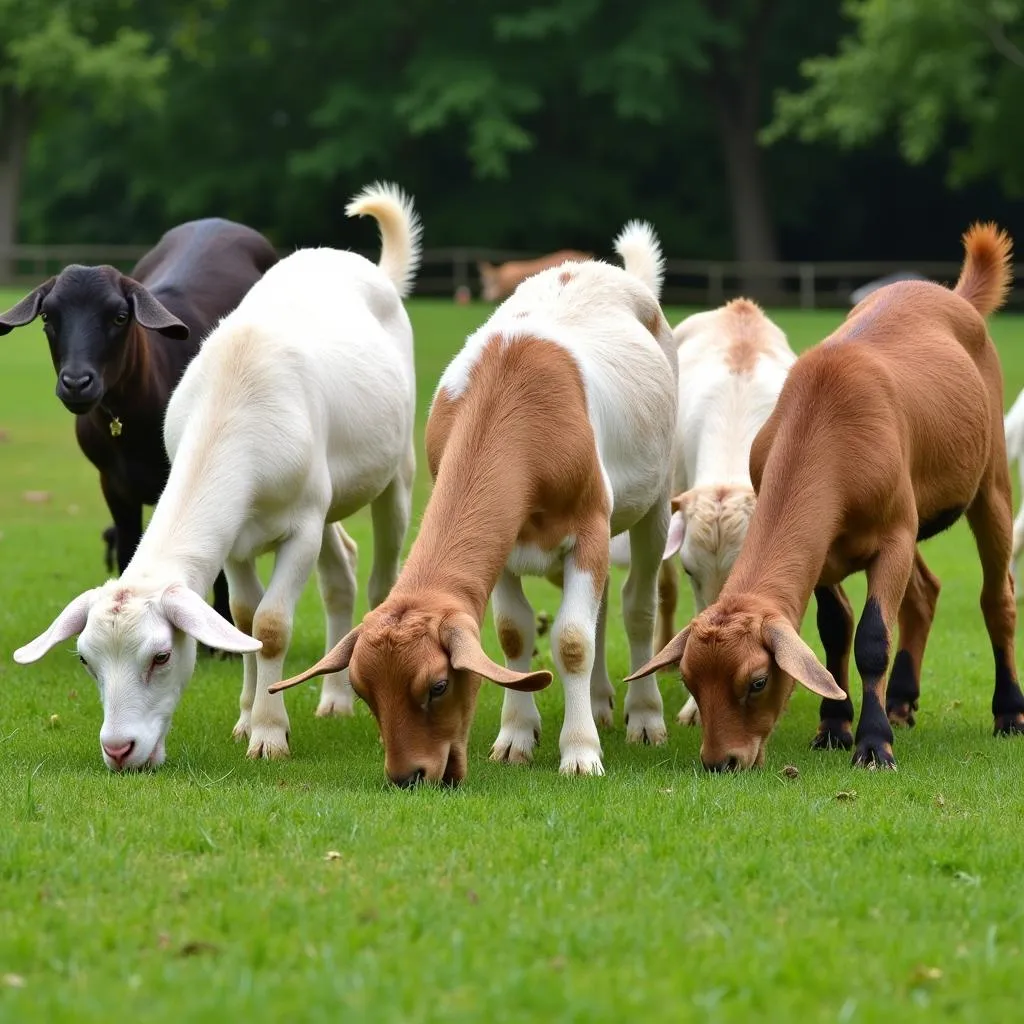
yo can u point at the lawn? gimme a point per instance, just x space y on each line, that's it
221 889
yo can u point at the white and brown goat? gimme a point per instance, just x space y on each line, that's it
551 431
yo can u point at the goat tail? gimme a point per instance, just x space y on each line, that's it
400 231
987 273
640 250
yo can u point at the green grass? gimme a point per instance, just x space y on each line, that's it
202 892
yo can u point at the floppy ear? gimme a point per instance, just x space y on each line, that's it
466 655
69 623
27 310
153 315
795 658
671 654
676 533
185 609
334 661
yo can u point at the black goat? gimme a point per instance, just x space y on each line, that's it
120 344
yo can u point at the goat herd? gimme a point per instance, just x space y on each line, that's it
283 393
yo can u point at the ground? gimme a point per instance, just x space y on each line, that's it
222 889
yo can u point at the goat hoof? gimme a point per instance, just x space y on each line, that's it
873 754
1011 724
646 727
833 736
901 714
603 709
335 708
269 743
242 727
515 744
690 713
581 760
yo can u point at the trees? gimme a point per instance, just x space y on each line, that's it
933 71
51 52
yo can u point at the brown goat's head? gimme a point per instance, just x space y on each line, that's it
88 315
418 667
740 659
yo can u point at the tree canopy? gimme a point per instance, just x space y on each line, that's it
526 126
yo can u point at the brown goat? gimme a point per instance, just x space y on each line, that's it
884 435
499 282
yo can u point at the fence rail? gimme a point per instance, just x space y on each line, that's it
444 271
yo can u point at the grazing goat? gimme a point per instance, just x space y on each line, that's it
884 435
1014 429
120 344
550 432
500 282
733 362
297 412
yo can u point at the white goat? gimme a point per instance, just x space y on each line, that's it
1013 426
297 412
733 362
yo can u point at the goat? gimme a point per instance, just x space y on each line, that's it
499 282
733 362
1013 426
120 343
883 435
550 432
297 412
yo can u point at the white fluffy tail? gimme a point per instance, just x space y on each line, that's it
400 231
640 250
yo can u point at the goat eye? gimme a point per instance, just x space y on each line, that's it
122 318
44 317
162 658
438 689
758 684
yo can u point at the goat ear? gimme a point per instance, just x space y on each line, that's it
795 658
466 655
334 661
69 623
676 533
186 610
671 654
25 311
152 314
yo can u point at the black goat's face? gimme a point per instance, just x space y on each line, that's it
88 314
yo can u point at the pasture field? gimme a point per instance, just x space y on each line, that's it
222 889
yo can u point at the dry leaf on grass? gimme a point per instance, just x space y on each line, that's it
332 855
13 981
36 497
791 771
846 794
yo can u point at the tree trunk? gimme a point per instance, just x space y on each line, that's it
734 87
15 125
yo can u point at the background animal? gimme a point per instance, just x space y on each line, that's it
550 432
733 362
499 282
119 345
297 412
857 463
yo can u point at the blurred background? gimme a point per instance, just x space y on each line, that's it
792 149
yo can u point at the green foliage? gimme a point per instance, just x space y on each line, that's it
205 891
920 68
51 52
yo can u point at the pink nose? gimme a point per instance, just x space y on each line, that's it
119 753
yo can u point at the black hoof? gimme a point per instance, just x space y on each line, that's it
901 713
873 754
1011 724
833 736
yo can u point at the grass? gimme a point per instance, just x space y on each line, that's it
220 889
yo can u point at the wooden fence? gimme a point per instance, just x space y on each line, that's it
808 285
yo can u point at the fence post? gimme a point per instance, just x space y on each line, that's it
461 270
807 295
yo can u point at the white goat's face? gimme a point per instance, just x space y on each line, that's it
708 527
139 644
141 665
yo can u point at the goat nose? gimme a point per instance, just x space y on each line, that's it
118 753
408 781
77 382
728 764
